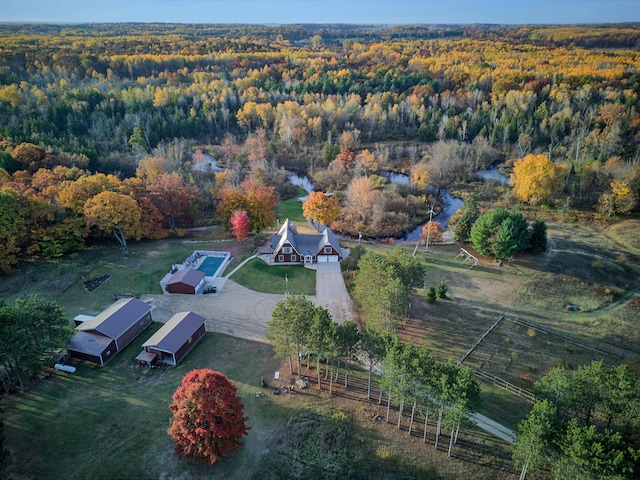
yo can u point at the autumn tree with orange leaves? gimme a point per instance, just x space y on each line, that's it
321 208
208 421
261 204
431 232
171 194
259 201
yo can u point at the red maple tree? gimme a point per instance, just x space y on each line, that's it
207 420
239 223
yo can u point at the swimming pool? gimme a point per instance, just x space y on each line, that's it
210 265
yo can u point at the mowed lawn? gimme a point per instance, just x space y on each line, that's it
257 275
140 273
111 422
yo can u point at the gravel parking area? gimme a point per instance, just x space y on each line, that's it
237 311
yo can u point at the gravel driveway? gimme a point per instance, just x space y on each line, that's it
331 292
240 312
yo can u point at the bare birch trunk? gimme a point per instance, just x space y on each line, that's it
413 411
400 412
426 422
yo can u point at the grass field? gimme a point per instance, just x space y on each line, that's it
111 422
257 275
292 209
596 273
62 279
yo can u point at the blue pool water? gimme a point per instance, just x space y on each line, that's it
210 265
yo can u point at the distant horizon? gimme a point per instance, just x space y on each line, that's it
274 24
323 12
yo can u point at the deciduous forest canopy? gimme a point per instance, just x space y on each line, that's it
340 103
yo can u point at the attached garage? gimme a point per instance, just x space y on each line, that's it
328 258
186 281
174 340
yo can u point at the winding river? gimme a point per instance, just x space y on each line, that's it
451 203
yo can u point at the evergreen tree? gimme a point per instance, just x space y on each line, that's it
431 295
441 290
499 232
466 220
538 240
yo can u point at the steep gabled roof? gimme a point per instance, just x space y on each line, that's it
305 244
117 318
176 332
285 235
187 276
329 238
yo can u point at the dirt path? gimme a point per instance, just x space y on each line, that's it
492 427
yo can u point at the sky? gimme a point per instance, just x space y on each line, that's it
322 11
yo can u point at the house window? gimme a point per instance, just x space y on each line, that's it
287 249
281 258
328 250
294 258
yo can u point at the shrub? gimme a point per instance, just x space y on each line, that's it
431 295
441 291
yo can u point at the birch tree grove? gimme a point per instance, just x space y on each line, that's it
411 374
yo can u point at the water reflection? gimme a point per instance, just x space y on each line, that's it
205 163
493 174
302 182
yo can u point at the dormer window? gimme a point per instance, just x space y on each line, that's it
328 250
287 250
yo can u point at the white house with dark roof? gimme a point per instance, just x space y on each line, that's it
289 246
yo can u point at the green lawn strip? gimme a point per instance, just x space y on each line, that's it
257 275
292 209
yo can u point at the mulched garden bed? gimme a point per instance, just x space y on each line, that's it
91 285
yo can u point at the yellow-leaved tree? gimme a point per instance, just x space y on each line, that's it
420 175
321 208
116 213
535 178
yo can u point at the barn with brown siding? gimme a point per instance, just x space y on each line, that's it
109 332
187 281
173 340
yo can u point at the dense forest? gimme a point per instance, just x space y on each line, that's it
128 113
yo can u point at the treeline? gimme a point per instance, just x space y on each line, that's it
85 90
105 100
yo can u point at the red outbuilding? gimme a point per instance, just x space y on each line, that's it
109 332
174 340
188 281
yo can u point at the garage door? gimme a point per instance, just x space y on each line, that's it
327 258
